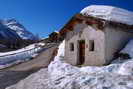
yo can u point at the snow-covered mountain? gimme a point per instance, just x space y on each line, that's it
19 29
14 35
7 35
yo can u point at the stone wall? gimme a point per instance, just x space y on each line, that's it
85 32
116 39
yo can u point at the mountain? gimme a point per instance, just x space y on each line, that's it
12 33
19 29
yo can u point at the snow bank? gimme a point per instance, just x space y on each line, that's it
66 76
109 13
53 66
61 51
58 66
77 80
19 50
126 68
14 57
112 68
128 49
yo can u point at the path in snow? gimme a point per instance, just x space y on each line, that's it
41 60
12 75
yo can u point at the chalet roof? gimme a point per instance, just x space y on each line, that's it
101 16
109 13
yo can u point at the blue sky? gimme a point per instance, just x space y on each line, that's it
44 16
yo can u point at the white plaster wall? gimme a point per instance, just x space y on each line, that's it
73 37
97 56
115 41
88 33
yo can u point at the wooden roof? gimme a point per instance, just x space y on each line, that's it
100 23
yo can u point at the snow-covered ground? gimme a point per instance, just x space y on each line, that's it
61 75
14 57
128 49
109 13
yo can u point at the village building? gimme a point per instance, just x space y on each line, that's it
93 36
54 36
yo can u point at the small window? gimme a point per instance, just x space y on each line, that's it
71 46
91 45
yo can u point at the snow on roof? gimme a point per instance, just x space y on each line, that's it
109 13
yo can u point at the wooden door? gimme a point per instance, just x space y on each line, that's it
81 58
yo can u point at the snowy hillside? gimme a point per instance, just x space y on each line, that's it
19 29
109 13
61 75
